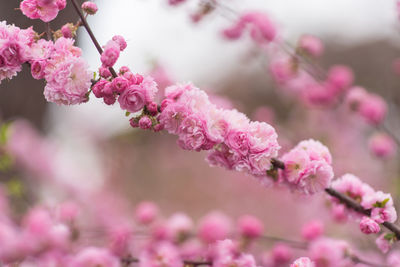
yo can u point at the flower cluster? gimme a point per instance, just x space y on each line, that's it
234 142
378 203
307 167
302 262
46 10
369 106
262 29
14 49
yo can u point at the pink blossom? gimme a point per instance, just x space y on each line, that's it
180 226
35 9
146 212
89 7
120 240
225 253
315 178
382 145
192 135
373 109
260 26
120 41
311 45
159 255
110 54
214 226
250 226
104 72
329 252
312 230
281 254
38 69
92 257
340 77
369 226
384 242
132 99
175 2
68 212
282 69
68 30
303 262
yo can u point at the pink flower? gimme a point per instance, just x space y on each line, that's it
225 253
369 226
110 54
382 145
192 135
312 230
180 226
68 30
146 212
373 109
352 186
172 116
250 226
340 77
311 45
384 242
37 69
92 257
214 226
260 26
120 240
159 255
120 41
104 72
303 262
281 254
68 81
238 141
35 9
315 178
132 99
89 7
329 252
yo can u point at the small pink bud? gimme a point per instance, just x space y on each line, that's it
281 254
250 226
134 123
123 69
61 4
382 146
68 211
89 7
109 100
145 123
146 212
152 108
165 103
68 30
158 127
98 88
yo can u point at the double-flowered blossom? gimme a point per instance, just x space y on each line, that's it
46 10
262 29
65 71
15 46
369 106
308 167
233 140
90 7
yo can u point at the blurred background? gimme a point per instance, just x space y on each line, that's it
105 152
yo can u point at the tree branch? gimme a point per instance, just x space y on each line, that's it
90 32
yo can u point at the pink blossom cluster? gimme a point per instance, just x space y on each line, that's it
112 50
14 49
233 140
307 167
133 91
46 10
66 73
369 106
262 29
378 203
288 73
310 45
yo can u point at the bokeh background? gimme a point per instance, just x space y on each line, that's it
104 152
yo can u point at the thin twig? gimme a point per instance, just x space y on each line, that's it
90 32
48 31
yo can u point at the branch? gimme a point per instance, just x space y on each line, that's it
130 260
349 202
90 32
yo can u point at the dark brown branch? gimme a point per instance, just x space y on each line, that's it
130 260
348 201
90 32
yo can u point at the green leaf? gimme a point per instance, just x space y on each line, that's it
127 113
389 236
5 162
4 133
15 187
